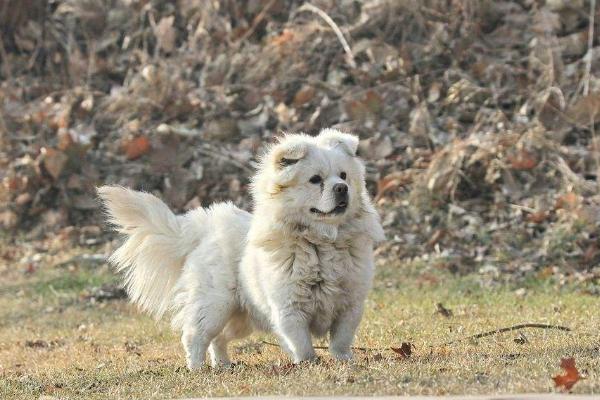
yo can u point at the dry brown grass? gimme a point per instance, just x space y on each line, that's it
110 350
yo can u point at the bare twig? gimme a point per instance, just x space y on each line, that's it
576 180
476 336
257 20
588 61
336 30
227 158
509 329
523 208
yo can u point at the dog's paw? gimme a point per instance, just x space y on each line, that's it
222 364
311 359
342 355
194 364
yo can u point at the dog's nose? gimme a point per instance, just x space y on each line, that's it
340 188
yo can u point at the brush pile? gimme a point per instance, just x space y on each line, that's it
477 117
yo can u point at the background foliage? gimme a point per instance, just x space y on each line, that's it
476 117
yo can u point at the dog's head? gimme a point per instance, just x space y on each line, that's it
312 182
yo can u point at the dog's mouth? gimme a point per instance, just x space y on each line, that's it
339 209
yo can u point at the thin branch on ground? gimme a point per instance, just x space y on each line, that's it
510 329
475 336
336 30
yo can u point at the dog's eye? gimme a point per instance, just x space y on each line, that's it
315 179
343 175
287 162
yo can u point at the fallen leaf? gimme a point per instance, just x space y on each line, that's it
285 37
420 121
54 161
8 219
440 309
376 147
436 237
405 350
137 147
15 183
392 181
523 161
367 108
165 34
23 199
590 253
568 201
65 139
537 217
586 110
304 95
571 376
551 113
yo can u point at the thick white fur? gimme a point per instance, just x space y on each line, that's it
286 269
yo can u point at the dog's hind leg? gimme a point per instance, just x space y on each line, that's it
205 322
237 327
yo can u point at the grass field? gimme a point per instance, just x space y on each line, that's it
55 341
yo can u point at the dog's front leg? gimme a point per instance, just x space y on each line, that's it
294 333
342 333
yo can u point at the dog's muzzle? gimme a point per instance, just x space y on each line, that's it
340 192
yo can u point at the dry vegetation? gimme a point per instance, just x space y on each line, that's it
478 121
477 117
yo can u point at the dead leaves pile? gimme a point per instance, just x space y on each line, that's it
456 122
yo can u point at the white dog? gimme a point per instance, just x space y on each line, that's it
301 265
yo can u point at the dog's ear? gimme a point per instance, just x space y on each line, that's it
288 152
335 138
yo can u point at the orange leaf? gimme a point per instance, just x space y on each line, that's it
390 182
568 201
537 217
285 37
304 95
54 161
571 376
436 237
524 161
137 147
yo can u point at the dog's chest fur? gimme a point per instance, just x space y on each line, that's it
321 276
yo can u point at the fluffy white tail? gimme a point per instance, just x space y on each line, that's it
153 254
